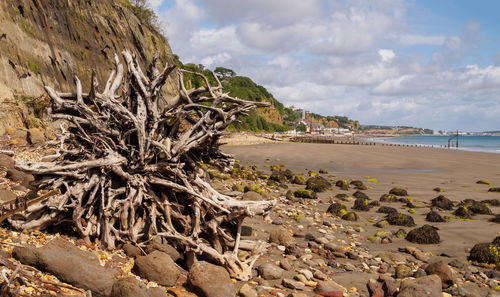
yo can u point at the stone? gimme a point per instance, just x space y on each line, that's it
247 291
251 196
208 280
428 286
392 258
163 247
304 193
299 180
442 270
329 286
457 264
246 230
6 195
60 258
400 219
318 184
131 250
398 191
403 271
20 177
6 161
129 287
270 271
434 217
463 212
284 264
382 224
424 235
375 288
442 202
158 267
281 236
291 284
35 136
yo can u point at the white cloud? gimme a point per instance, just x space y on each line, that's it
339 57
387 55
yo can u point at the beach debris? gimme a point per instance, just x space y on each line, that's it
127 169
426 234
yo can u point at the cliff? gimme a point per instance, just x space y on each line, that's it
51 42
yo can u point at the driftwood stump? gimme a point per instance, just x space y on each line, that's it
127 171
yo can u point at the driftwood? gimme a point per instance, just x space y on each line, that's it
127 171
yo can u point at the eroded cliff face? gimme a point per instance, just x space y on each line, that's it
51 42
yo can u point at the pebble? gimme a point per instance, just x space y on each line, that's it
291 284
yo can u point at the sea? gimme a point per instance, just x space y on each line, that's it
489 144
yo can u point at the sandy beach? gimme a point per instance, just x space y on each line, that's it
419 170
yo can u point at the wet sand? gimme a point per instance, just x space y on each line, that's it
419 170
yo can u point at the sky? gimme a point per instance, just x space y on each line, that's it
427 63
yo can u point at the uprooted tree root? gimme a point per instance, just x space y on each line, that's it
127 171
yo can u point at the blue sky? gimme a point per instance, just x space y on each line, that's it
431 64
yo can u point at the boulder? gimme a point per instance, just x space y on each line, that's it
35 136
342 184
337 209
463 212
157 267
442 270
434 217
350 216
163 247
318 184
486 252
342 196
208 280
359 194
304 193
476 207
403 271
280 236
270 271
428 286
442 202
60 258
387 209
131 250
388 198
398 191
424 235
400 219
361 204
299 180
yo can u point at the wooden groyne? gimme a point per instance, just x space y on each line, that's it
336 140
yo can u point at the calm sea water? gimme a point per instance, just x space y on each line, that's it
489 144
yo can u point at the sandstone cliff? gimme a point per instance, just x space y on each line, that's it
49 42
